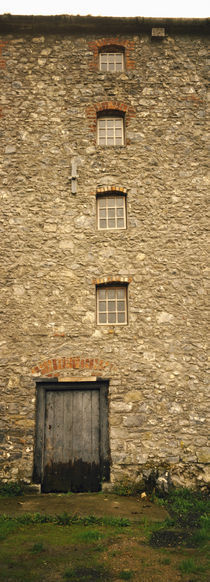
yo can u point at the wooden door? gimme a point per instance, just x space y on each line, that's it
71 441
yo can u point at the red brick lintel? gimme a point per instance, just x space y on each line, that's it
114 279
115 189
53 367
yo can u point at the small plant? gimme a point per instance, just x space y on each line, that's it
127 488
190 567
63 518
126 575
89 535
165 561
37 548
187 507
11 489
7 527
87 574
116 521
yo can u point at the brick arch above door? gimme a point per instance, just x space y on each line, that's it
54 367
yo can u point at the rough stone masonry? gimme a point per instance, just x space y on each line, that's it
54 256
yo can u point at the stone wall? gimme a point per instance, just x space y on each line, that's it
52 253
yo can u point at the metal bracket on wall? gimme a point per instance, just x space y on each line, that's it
73 177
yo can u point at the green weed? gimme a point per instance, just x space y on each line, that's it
11 489
37 548
186 507
189 566
7 527
89 535
86 574
126 488
165 561
126 575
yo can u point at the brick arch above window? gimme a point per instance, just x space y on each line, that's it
108 44
116 189
111 280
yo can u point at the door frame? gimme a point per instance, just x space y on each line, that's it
44 385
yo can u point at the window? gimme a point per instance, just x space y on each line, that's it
112 305
111 61
111 211
110 131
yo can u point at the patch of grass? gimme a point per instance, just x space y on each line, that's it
165 561
87 574
11 489
37 548
126 488
187 508
116 521
189 566
66 519
7 527
89 535
126 575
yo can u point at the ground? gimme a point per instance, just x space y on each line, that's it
94 537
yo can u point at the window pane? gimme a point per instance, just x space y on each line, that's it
112 306
102 223
118 122
111 223
121 305
102 305
110 123
119 211
120 200
102 140
118 131
121 293
121 317
118 141
102 202
120 222
111 317
102 212
111 212
111 201
102 318
111 293
111 66
102 293
110 141
102 123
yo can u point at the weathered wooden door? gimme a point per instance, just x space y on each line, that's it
71 456
71 451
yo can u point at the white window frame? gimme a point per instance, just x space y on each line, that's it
108 125
109 212
105 304
109 58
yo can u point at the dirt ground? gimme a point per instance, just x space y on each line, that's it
84 504
50 552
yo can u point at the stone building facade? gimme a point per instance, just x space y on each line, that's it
103 241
